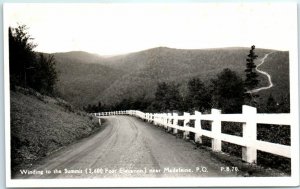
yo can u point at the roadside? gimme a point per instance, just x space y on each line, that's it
232 162
42 125
129 147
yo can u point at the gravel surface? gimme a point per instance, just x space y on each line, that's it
129 147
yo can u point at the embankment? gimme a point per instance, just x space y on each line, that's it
41 125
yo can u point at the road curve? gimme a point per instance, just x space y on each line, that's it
129 147
264 73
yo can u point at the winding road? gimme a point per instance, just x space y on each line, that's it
129 147
264 73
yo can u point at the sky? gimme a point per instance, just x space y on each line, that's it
110 29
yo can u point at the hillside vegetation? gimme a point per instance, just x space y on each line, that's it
111 79
82 77
41 125
277 65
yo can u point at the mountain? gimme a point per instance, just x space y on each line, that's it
82 79
87 78
78 56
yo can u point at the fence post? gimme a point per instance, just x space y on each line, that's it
216 130
185 124
169 117
152 117
165 118
99 120
249 152
198 134
175 122
155 118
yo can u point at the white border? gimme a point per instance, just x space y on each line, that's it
165 182
6 100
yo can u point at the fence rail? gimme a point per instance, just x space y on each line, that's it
249 119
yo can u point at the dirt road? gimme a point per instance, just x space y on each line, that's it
129 147
264 73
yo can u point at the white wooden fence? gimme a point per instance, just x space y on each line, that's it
249 118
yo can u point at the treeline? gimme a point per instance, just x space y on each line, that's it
28 68
226 92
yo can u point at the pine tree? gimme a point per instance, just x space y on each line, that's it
251 76
251 80
198 97
227 92
167 98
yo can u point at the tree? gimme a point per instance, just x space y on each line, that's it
272 105
99 108
167 98
44 75
159 103
21 55
198 97
251 76
27 68
251 80
125 104
227 92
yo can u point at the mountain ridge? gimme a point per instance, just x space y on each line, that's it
111 79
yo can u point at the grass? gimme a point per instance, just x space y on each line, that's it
246 169
279 134
41 125
268 165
